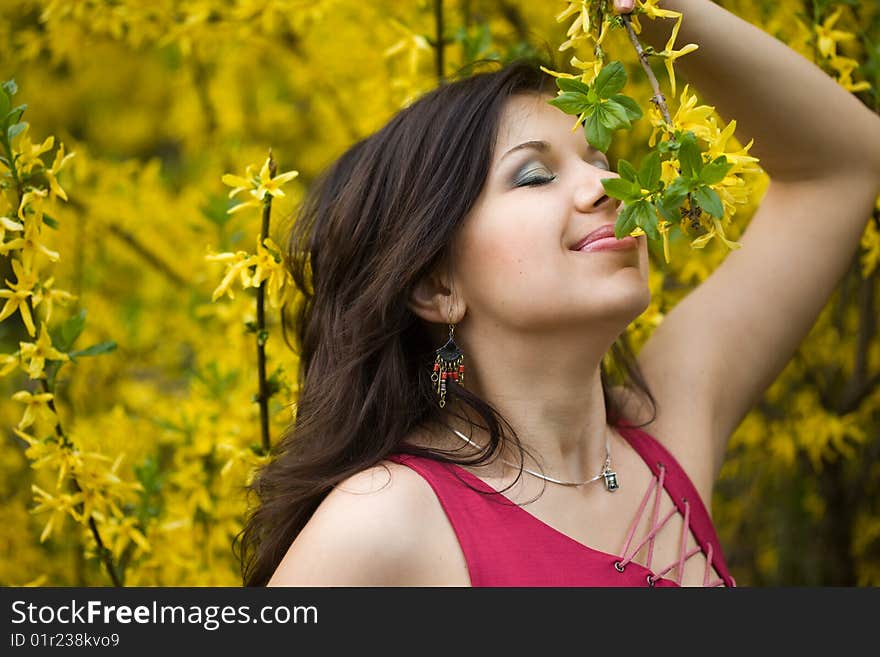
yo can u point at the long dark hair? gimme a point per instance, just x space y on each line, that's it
378 220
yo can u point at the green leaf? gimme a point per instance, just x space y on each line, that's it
632 107
15 130
51 222
598 135
627 171
646 219
95 349
649 171
611 79
5 103
625 223
10 87
571 102
668 146
677 190
570 84
669 211
617 112
69 330
619 188
714 172
689 157
673 196
18 108
709 200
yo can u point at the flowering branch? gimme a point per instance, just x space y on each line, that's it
674 183
264 270
262 334
22 161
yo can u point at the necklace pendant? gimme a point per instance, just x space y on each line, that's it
611 483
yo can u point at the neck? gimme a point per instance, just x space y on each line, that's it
550 391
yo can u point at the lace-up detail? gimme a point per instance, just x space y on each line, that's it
656 488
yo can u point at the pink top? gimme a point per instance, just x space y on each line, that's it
505 545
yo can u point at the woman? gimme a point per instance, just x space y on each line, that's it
456 234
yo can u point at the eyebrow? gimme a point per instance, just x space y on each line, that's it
538 145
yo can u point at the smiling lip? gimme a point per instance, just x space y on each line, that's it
611 244
603 238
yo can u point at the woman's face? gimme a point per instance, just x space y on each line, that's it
515 261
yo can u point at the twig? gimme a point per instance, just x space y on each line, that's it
263 396
658 99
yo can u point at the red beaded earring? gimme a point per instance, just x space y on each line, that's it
448 364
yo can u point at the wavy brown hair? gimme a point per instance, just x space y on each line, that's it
378 220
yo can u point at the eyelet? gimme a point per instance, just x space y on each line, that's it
619 567
651 581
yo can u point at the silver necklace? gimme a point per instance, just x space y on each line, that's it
610 477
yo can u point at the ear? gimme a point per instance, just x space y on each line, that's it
433 299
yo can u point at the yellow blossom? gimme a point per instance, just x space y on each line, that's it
126 532
8 224
236 265
828 38
36 408
716 230
651 10
17 295
47 454
48 297
670 56
60 506
28 153
8 362
845 67
580 26
688 117
412 44
29 244
257 185
52 173
590 69
741 160
35 354
266 262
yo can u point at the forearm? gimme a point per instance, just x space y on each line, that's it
804 124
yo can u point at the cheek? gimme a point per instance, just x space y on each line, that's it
490 261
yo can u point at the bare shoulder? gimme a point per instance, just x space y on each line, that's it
383 526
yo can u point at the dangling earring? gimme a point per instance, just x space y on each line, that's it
448 364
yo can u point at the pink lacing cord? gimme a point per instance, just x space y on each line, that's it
656 487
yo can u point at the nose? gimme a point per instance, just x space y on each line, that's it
590 195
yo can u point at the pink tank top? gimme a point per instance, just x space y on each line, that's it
505 545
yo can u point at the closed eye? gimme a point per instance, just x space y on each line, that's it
534 181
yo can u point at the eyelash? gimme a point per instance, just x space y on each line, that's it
538 181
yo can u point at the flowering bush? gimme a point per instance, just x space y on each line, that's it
144 382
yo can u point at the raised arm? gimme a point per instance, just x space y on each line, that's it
729 339
804 124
